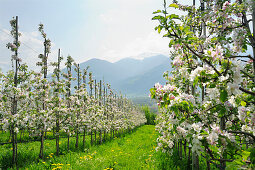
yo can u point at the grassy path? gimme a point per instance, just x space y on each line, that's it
134 151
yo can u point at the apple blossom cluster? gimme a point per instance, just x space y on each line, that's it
207 104
34 91
37 103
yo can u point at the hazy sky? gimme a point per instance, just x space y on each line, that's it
105 29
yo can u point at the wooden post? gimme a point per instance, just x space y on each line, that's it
91 84
105 94
100 103
95 111
77 114
84 83
253 42
14 100
57 114
44 104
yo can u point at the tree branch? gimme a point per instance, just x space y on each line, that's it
225 72
223 160
246 91
246 56
244 133
211 107
248 75
201 58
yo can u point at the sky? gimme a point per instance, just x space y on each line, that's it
85 29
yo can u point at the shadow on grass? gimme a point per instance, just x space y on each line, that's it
28 153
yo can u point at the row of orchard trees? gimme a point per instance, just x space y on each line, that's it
208 103
34 102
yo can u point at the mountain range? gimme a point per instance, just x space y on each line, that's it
132 77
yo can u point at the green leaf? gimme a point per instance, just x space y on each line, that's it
159 29
156 17
223 95
158 11
4 98
243 103
174 16
222 112
152 90
174 5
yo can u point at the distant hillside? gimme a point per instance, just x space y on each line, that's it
139 85
130 76
133 77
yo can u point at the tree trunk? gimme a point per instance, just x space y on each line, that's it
57 138
84 134
68 142
222 127
208 165
181 149
100 134
91 136
42 145
189 160
77 138
104 135
195 161
253 22
95 136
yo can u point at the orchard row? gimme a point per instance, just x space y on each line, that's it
208 104
38 103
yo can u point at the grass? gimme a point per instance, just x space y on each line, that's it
24 136
131 151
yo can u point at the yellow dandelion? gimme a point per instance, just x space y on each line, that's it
43 162
68 164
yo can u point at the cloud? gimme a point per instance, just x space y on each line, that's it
31 46
153 43
125 29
